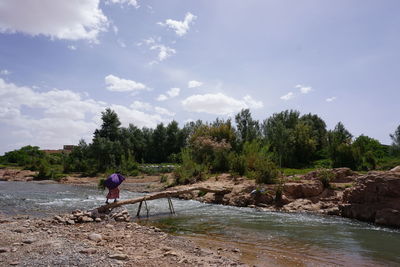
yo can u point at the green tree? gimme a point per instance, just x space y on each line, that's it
110 126
395 147
248 129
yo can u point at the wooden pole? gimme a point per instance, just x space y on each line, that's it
138 211
164 194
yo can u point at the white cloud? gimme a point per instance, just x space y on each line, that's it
162 97
133 3
72 47
288 96
218 104
5 72
252 103
304 89
164 111
115 29
138 105
171 93
180 27
194 84
69 20
117 84
331 99
164 52
59 117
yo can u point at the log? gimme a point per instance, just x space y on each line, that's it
164 194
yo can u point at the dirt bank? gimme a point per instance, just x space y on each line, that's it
41 242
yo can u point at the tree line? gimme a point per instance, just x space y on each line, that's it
244 146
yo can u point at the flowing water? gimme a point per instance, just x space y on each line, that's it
263 238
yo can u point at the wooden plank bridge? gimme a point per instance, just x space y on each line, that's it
165 194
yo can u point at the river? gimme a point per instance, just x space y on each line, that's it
263 238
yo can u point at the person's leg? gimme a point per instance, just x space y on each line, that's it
115 200
107 201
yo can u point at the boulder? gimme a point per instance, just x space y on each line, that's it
374 198
304 189
395 169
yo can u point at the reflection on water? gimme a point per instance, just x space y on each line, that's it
265 236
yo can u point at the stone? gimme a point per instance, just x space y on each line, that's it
86 219
21 230
395 169
119 256
3 250
109 226
88 251
303 190
375 197
170 253
70 222
236 250
13 263
29 241
98 219
95 237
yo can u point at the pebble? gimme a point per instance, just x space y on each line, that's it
118 256
14 263
95 237
109 226
2 250
21 230
29 241
98 219
88 251
236 250
70 222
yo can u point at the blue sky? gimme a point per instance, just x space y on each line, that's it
63 62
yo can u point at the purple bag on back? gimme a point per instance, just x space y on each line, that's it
114 180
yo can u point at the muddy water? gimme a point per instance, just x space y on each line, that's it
262 238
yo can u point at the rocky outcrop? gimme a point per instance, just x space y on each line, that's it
304 189
374 198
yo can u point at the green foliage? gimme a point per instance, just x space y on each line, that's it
326 176
292 172
395 147
248 129
323 163
189 171
279 192
163 178
237 164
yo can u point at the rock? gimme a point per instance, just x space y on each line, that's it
13 263
3 250
110 226
21 230
388 217
395 169
304 189
118 256
29 241
86 219
88 251
170 253
95 237
374 198
236 250
98 219
70 222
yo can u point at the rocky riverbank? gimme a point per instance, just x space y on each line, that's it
49 242
373 197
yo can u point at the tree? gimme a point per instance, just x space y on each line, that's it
395 148
248 129
110 127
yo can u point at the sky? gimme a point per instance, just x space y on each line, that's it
64 62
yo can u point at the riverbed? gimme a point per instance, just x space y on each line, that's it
272 238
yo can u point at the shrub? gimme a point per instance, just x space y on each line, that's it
189 171
326 176
265 171
237 164
164 178
323 163
279 192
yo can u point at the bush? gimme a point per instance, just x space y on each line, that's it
323 164
279 193
189 171
164 178
237 164
326 176
265 171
